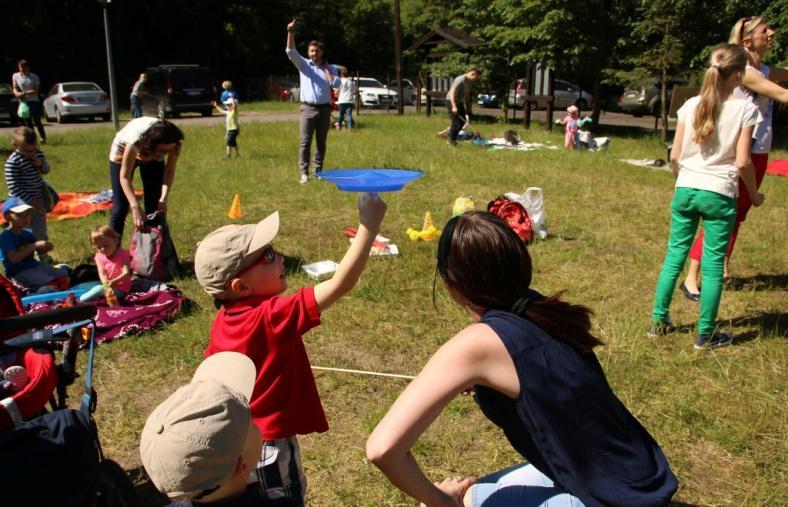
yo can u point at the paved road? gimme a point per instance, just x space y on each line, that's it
608 119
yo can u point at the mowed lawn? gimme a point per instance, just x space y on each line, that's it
720 416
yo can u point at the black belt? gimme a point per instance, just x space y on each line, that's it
315 105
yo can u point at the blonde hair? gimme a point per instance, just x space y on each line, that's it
725 61
104 231
744 28
227 85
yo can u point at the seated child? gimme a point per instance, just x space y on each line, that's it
200 444
237 265
114 267
23 171
17 245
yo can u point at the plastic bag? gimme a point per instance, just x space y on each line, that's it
23 111
532 200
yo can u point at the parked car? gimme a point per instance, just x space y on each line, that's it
408 91
646 99
175 89
491 98
374 94
283 89
8 105
566 94
76 99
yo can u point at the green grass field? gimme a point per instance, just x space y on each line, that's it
720 416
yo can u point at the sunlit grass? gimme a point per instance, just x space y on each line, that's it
719 416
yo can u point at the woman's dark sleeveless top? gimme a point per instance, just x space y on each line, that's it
568 423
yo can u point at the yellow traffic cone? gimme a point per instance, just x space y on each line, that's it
235 208
427 221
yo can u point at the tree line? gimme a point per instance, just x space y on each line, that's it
589 42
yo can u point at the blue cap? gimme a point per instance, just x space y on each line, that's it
16 205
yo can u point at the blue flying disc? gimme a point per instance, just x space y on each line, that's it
370 180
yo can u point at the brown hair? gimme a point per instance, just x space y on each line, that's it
482 258
744 28
725 61
23 135
104 231
161 132
317 44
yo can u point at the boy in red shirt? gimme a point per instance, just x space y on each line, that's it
238 266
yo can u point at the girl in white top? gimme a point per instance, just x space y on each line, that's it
711 151
759 87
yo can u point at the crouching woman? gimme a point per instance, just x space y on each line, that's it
529 360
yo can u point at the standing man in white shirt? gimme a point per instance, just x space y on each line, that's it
317 78
25 85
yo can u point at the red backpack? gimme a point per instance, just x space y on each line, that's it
515 215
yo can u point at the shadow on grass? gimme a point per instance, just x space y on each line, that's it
187 269
764 322
147 494
293 264
759 282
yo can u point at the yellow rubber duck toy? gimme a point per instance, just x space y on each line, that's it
428 231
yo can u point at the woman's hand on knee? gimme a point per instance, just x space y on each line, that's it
455 488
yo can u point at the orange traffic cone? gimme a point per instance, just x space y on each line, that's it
235 208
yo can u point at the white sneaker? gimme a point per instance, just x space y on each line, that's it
302 179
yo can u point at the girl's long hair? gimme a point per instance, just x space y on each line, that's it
725 61
484 260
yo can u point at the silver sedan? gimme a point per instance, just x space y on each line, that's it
76 99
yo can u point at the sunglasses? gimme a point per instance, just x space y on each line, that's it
744 21
267 256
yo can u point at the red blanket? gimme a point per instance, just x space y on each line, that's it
778 167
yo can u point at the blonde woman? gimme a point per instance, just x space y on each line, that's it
760 87
711 151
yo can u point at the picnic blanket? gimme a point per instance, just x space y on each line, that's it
778 167
499 143
81 204
138 312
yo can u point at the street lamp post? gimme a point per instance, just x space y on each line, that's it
113 99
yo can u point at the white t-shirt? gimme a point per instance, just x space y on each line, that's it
347 91
129 134
22 82
762 134
712 165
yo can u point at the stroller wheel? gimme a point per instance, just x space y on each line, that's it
116 488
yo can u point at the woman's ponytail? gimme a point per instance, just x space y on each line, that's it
725 61
563 321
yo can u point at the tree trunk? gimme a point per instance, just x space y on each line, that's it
597 105
663 102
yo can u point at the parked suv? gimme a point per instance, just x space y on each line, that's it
646 98
175 89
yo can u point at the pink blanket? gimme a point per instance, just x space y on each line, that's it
139 311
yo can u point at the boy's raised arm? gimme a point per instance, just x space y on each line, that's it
371 209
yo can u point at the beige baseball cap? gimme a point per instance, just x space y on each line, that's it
192 441
228 250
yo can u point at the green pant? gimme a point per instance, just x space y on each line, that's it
719 214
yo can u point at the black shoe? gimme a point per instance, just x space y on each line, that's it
689 295
660 328
713 340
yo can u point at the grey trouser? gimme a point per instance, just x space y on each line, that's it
314 120
38 221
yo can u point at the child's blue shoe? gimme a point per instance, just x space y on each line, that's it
713 340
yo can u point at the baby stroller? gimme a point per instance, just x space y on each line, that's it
52 457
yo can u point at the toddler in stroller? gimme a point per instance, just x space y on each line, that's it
52 457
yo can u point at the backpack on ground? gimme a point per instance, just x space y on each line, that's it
515 215
152 251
